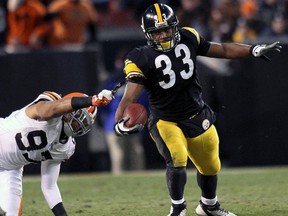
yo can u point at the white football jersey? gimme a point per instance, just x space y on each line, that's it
24 140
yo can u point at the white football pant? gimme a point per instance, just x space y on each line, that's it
11 191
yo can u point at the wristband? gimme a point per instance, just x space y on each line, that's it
251 49
59 210
81 102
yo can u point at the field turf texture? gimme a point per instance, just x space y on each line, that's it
258 191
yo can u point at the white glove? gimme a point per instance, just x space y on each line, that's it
121 129
106 93
103 98
260 50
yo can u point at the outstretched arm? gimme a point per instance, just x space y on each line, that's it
237 50
228 50
45 110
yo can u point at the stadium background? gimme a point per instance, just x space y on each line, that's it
249 96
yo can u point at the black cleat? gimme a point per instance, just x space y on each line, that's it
178 209
215 210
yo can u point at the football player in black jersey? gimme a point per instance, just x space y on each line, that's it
181 123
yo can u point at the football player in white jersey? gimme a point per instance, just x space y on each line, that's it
43 132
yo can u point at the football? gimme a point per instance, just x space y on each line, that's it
137 114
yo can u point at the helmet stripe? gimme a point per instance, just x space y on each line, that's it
52 95
158 11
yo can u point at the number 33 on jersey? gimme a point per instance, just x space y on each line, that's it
168 72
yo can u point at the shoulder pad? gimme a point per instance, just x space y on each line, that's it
133 63
48 95
194 32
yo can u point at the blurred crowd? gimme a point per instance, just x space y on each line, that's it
235 20
72 24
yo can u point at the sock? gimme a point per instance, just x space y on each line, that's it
177 202
209 202
176 178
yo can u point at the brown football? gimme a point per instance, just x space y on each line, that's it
137 114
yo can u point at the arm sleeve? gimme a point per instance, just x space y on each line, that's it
135 66
49 175
199 42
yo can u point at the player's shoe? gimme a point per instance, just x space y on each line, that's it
215 210
178 209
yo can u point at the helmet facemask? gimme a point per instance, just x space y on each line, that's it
164 44
157 18
78 122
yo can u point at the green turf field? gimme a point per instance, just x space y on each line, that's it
247 192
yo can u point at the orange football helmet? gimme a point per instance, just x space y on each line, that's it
79 122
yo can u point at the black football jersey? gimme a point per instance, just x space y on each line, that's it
170 78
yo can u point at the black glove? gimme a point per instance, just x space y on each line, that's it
260 50
121 129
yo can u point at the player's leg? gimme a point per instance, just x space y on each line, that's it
11 192
203 150
172 145
116 152
204 153
134 147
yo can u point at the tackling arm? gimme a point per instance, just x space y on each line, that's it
45 110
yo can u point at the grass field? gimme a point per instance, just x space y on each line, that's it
248 192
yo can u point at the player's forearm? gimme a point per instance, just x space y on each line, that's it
131 95
47 110
229 50
237 50
67 105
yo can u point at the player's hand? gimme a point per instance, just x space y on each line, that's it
121 129
260 50
103 98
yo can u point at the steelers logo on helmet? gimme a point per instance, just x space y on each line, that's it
160 18
162 22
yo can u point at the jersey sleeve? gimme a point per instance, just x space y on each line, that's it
50 170
202 45
134 64
59 151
